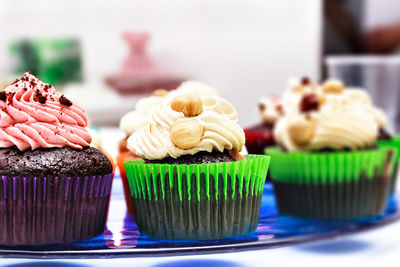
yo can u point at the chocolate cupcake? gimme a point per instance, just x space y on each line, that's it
140 116
329 166
192 182
54 187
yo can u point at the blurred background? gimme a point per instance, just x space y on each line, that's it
107 54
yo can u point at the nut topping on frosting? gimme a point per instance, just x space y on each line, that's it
301 130
190 104
160 92
186 133
333 86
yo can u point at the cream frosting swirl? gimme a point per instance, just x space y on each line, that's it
136 119
218 121
140 116
344 119
33 115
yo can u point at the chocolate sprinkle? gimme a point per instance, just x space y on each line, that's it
3 96
65 101
42 99
261 107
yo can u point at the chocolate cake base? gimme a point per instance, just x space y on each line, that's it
340 201
198 158
53 162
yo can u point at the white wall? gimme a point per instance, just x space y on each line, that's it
380 13
244 48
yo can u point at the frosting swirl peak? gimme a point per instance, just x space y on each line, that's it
33 115
187 124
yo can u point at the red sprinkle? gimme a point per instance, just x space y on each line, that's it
309 102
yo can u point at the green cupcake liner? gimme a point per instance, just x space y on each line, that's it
393 143
197 201
329 167
332 185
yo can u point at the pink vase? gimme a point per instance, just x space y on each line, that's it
139 74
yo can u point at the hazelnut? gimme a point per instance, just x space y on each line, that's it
298 88
190 104
186 133
160 92
333 86
301 131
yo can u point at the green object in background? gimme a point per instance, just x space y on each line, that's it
54 60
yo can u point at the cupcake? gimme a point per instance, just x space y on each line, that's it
261 136
270 110
55 188
329 165
192 183
139 117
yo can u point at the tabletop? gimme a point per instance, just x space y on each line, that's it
379 247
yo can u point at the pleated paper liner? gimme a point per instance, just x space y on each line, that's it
50 210
198 201
393 143
332 185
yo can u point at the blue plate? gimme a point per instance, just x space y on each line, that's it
122 238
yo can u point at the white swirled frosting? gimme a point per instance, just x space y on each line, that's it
345 119
136 119
140 116
218 120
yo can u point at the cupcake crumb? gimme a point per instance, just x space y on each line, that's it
3 96
65 101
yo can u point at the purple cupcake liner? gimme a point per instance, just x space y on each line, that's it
50 210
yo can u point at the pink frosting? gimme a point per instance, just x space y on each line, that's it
33 115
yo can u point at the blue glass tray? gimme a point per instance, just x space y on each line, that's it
122 238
